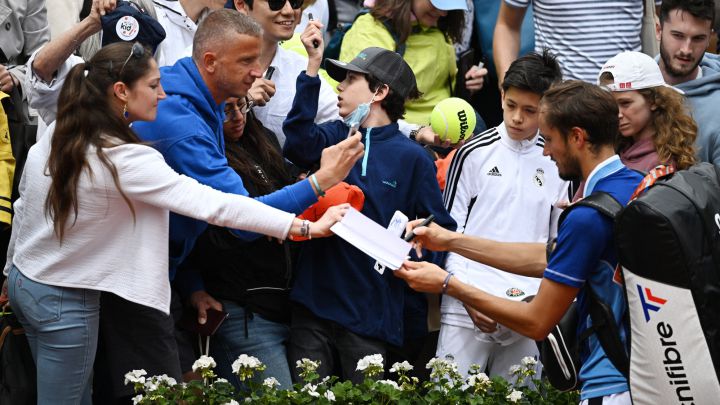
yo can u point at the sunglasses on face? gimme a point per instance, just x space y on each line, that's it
276 5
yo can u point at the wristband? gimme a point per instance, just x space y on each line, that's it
445 283
305 229
320 191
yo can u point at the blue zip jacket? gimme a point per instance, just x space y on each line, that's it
333 279
188 132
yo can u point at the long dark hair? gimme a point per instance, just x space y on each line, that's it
398 13
255 148
86 119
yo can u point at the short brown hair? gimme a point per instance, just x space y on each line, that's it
575 103
217 28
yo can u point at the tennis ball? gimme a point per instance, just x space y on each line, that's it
453 119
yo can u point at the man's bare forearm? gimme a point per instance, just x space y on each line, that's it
525 259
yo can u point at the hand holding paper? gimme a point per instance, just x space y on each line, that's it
372 239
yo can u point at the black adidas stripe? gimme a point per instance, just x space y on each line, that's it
458 162
479 138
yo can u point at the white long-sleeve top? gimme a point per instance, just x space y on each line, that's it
505 190
105 248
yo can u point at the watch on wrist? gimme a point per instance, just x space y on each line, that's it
414 132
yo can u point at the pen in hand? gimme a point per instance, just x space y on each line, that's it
316 43
426 222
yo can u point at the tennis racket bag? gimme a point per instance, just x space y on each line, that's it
668 241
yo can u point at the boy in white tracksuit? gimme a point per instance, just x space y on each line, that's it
501 187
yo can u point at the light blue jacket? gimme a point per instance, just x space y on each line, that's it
704 97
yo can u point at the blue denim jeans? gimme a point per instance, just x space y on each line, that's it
61 325
265 340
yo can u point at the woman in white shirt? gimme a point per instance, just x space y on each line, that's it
93 216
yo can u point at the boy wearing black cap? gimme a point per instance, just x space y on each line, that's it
345 309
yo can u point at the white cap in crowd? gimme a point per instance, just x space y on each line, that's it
633 71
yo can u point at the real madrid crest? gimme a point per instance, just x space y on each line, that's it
539 177
514 292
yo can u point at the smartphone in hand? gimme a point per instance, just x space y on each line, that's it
215 318
269 72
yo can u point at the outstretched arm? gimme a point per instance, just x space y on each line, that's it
525 259
533 319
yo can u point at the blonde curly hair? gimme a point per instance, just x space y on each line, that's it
675 129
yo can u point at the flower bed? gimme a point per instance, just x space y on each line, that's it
446 386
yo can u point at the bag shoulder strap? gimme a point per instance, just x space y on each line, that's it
607 335
605 203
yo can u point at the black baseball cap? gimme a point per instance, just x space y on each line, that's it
130 22
387 66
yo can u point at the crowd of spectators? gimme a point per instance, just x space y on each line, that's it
179 142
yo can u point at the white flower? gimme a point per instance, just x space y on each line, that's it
329 395
371 360
271 382
247 362
169 381
514 370
529 362
514 396
135 377
232 402
404 366
151 385
390 382
311 390
203 363
475 379
307 363
136 399
221 380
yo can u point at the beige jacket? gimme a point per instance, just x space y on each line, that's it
23 30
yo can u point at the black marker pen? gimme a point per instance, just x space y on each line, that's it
426 222
316 43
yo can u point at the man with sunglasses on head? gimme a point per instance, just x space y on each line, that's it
278 19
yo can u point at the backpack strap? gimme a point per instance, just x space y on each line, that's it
599 200
603 321
651 178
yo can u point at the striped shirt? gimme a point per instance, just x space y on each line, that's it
584 34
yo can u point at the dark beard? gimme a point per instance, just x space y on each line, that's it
670 70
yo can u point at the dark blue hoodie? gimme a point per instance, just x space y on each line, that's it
333 279
188 132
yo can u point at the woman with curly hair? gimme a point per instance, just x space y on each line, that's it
423 32
655 126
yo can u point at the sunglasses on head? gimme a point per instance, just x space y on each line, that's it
276 5
137 51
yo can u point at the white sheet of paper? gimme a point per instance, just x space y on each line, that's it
377 242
